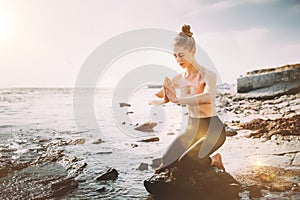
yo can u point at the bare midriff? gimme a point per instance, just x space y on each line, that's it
194 86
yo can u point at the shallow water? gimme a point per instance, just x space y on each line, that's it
31 119
37 126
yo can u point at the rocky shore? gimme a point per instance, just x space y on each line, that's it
261 153
263 141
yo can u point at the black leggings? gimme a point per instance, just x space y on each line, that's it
192 148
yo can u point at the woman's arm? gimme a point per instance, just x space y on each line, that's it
160 94
204 98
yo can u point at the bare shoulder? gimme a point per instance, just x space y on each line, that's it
210 75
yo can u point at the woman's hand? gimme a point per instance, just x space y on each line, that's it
158 102
170 90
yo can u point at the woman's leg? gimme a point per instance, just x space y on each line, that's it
178 146
200 132
214 138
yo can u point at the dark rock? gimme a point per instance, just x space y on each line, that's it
8 167
146 127
212 184
154 139
156 163
62 187
102 189
170 133
134 145
230 132
110 174
254 191
124 105
129 112
98 141
271 92
143 166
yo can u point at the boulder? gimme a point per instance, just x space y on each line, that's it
269 83
110 174
205 185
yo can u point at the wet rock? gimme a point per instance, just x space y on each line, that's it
254 191
124 105
70 158
110 174
7 167
272 178
143 166
170 133
81 165
209 184
146 127
98 141
63 187
156 163
230 132
154 139
81 178
102 189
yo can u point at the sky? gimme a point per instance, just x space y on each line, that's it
44 43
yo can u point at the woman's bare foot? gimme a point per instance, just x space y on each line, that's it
216 160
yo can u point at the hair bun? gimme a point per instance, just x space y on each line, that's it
186 30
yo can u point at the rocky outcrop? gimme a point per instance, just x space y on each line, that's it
269 83
176 184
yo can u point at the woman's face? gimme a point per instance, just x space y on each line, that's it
183 56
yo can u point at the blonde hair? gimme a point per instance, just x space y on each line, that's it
185 38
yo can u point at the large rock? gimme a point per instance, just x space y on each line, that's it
269 83
267 77
205 185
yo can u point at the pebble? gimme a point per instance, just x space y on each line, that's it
124 105
154 139
98 141
143 166
110 174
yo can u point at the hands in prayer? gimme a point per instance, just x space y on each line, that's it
169 94
170 91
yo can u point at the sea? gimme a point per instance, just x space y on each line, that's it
36 121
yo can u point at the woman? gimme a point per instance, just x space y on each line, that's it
205 132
